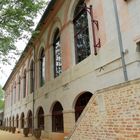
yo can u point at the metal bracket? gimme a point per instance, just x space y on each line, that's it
94 22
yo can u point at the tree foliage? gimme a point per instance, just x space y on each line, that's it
1 98
1 104
16 20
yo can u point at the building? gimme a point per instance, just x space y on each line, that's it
84 47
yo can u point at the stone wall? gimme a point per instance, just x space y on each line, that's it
112 114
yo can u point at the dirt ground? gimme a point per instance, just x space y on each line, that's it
4 135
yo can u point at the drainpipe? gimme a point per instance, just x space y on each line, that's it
33 90
11 108
120 41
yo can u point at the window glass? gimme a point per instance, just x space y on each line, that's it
81 33
42 67
24 84
32 77
19 84
57 54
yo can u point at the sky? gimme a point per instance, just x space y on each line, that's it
6 70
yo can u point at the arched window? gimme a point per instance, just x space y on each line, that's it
42 67
19 84
22 120
57 118
57 54
24 84
32 79
15 92
81 103
17 119
40 118
29 119
11 95
81 32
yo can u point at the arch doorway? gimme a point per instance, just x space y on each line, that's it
13 121
29 119
40 118
10 121
81 103
22 120
57 118
17 119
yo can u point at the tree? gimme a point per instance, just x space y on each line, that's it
1 98
16 20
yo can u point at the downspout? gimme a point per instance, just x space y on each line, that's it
33 90
11 108
120 41
3 116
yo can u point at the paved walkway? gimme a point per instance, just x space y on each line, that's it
4 135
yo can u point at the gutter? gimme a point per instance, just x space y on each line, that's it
120 41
